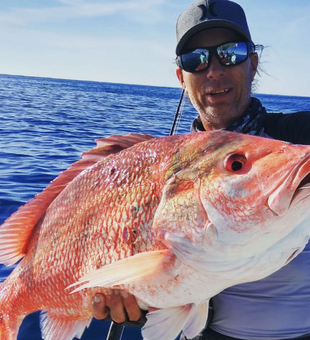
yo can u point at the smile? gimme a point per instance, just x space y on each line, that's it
219 92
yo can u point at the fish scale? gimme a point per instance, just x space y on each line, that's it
170 220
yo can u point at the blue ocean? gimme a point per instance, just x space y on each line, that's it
47 123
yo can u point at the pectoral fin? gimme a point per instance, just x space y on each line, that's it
151 267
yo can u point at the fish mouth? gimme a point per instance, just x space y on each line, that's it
294 189
302 191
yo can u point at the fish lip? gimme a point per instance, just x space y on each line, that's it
294 189
302 191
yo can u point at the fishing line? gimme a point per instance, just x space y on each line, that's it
177 116
116 329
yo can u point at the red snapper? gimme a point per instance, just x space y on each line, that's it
172 220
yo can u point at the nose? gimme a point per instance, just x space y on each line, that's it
215 69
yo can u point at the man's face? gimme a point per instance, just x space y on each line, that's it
219 93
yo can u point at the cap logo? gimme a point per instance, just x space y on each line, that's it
207 10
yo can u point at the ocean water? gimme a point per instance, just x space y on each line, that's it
47 123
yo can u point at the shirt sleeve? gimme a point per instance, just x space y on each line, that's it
293 128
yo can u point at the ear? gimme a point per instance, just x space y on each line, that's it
179 73
254 64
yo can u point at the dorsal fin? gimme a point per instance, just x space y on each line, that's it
112 145
16 230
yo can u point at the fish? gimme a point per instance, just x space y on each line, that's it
172 220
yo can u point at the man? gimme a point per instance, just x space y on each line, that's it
277 307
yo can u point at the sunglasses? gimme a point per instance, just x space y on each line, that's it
228 54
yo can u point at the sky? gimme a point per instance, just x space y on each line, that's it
133 41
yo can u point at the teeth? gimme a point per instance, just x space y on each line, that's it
220 92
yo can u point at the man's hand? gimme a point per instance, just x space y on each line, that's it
120 306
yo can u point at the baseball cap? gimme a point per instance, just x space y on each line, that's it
204 14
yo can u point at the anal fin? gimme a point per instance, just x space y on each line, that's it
56 327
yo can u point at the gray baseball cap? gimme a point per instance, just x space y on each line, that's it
204 14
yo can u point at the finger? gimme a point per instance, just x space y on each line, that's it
117 311
130 304
100 311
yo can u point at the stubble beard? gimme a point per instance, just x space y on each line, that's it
214 118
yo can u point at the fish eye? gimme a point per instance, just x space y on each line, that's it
234 162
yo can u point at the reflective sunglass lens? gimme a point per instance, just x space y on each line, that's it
232 53
195 61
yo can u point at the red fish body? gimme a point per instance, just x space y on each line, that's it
172 220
